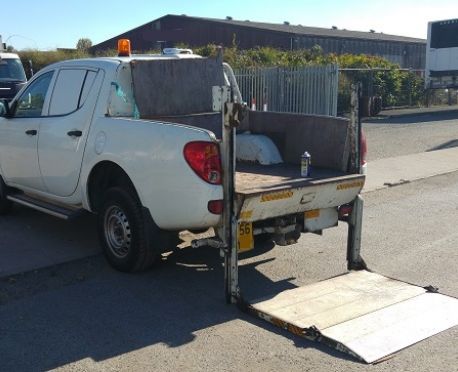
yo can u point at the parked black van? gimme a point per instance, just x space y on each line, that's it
12 75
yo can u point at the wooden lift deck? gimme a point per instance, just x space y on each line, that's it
364 314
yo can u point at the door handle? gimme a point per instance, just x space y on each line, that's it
75 133
31 132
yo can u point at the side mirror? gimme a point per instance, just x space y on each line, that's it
4 108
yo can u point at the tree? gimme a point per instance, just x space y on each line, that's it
83 44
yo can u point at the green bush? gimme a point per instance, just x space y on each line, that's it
41 59
386 80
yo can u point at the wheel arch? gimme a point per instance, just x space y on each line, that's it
104 175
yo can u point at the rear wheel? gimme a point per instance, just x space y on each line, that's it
5 204
128 235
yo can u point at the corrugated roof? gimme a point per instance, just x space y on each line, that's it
311 31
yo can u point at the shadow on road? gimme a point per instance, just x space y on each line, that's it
111 313
445 145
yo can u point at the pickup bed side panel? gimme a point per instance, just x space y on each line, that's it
326 138
151 153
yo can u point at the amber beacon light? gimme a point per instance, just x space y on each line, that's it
123 48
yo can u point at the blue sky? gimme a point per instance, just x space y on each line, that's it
48 24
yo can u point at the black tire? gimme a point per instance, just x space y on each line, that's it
5 204
127 233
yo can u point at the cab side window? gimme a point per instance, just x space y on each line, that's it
67 91
30 103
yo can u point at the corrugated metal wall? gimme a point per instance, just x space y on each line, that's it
173 29
306 90
407 55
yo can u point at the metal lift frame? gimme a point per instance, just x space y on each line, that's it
231 115
384 312
361 313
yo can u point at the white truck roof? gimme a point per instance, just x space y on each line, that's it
100 62
8 55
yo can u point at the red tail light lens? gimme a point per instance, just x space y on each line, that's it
345 210
216 206
204 159
363 148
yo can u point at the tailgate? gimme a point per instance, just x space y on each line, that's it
299 196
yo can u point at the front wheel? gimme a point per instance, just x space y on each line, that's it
126 232
5 204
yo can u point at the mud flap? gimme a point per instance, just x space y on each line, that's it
361 313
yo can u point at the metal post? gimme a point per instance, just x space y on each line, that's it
355 222
231 119
355 127
428 97
410 86
234 264
227 150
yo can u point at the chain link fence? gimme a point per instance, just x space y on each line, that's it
390 88
382 88
442 97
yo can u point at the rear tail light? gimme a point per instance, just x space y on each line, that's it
215 206
345 210
204 159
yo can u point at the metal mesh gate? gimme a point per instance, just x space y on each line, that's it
306 90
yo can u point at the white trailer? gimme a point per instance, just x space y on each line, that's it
442 55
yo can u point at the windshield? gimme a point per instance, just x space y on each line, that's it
444 34
11 70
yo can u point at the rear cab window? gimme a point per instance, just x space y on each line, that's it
121 99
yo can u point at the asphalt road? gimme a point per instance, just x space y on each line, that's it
410 134
85 316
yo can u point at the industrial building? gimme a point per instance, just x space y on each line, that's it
194 31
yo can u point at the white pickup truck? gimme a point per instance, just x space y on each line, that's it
155 145
137 140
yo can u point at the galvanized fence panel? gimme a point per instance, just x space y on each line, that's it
306 90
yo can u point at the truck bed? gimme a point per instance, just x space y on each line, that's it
253 178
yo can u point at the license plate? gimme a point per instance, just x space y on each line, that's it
245 236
